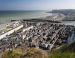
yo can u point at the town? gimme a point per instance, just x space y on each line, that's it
44 35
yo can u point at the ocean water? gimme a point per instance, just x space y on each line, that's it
7 16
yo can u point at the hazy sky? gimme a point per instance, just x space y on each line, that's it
36 4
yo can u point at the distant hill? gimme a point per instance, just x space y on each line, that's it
64 11
69 14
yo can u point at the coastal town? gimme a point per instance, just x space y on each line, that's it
44 35
37 28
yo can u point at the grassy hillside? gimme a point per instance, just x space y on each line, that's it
31 53
64 52
16 53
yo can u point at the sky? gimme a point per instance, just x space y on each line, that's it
36 4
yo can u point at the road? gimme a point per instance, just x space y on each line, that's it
10 32
28 28
54 40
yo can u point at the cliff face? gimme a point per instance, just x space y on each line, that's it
71 38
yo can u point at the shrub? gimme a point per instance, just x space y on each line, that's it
12 54
62 55
35 53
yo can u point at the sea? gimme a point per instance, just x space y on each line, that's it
7 16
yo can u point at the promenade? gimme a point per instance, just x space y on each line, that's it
10 32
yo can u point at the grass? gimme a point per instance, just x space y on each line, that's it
35 53
31 53
62 55
63 52
16 53
19 51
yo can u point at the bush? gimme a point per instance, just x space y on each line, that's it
35 53
62 55
12 54
32 53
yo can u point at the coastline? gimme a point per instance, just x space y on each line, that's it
7 16
52 19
